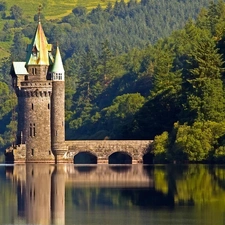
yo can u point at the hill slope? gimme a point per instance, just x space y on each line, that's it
55 8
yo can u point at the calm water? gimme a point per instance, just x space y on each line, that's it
104 195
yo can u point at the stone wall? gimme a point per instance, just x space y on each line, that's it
36 124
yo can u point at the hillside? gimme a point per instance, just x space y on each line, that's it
55 9
126 26
51 9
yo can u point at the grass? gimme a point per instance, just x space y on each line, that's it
4 50
55 9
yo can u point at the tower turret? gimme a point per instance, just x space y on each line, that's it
58 108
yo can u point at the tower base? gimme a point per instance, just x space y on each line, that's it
59 150
18 154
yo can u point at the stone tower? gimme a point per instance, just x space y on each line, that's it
39 85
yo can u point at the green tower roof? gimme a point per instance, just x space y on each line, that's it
39 51
58 65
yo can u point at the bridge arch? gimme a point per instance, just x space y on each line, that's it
120 157
148 158
85 157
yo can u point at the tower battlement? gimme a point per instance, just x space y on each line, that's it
33 93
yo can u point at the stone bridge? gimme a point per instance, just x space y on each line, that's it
107 151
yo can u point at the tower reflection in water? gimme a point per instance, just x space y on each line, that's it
41 193
41 187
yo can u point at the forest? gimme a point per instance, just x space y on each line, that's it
137 70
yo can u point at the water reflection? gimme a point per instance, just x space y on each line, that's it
44 194
40 193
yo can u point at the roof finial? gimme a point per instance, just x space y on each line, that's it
39 13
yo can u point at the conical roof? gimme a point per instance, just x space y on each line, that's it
58 65
38 52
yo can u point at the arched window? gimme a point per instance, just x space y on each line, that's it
32 130
34 51
34 71
57 76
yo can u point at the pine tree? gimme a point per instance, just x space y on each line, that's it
203 83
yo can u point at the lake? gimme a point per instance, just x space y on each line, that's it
43 194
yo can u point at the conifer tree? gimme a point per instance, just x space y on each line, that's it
203 83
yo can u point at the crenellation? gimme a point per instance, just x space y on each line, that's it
33 93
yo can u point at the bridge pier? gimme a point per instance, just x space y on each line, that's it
102 161
137 161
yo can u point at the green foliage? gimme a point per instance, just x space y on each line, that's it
16 12
194 142
200 142
54 9
160 147
7 100
121 112
7 125
219 155
205 91
2 6
124 106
